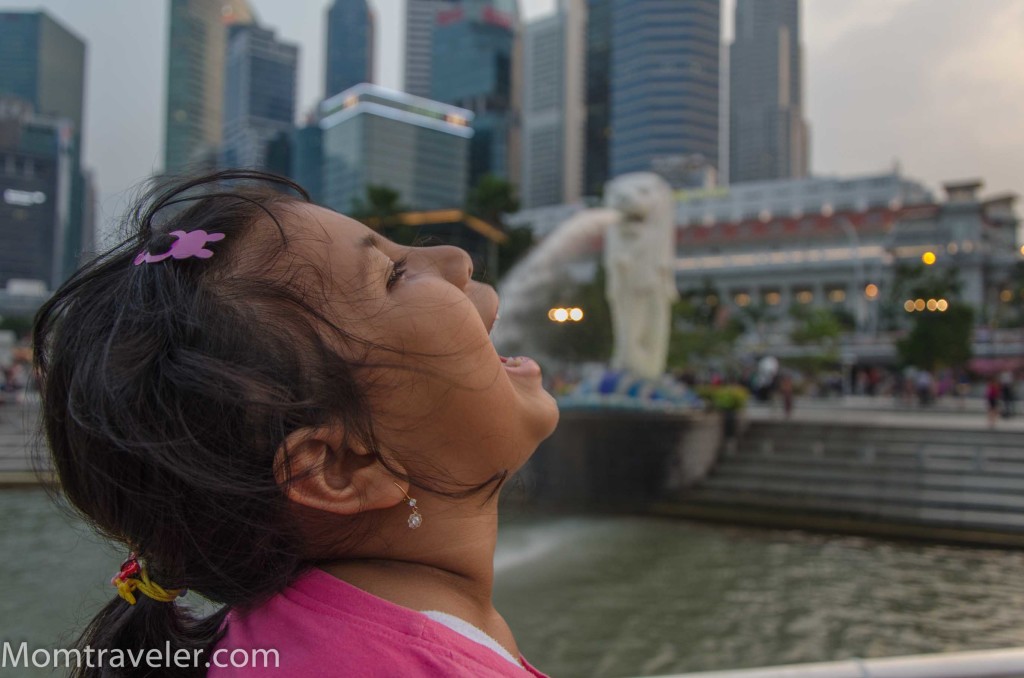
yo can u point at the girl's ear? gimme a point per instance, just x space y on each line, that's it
318 470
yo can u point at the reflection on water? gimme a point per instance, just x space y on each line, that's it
606 596
637 596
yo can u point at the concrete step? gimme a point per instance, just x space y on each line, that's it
852 450
857 509
806 431
878 492
832 473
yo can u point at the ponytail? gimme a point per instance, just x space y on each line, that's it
132 631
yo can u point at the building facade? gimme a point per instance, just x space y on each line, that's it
553 118
598 93
43 64
420 19
196 52
373 136
260 82
37 165
350 45
664 71
768 136
472 68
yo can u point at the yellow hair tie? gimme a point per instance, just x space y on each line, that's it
133 577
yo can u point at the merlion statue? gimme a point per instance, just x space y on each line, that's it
639 261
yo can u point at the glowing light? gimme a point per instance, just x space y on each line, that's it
1006 296
942 305
805 296
908 306
576 314
932 304
928 258
773 298
742 299
561 315
871 291
919 304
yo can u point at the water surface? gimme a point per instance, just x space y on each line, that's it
623 596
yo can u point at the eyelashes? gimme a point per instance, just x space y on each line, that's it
397 271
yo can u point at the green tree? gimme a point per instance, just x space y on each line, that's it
938 339
491 198
820 326
702 329
378 209
917 281
584 341
520 240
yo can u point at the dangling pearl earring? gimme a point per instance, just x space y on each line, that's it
416 519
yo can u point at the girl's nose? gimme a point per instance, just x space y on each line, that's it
453 263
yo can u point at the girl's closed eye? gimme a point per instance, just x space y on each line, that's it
397 271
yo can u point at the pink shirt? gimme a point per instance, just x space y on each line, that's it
323 627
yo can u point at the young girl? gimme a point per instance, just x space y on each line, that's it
275 408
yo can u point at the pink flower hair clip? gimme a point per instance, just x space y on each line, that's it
188 244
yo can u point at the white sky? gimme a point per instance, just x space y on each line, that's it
934 84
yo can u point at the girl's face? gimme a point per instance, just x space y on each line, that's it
445 404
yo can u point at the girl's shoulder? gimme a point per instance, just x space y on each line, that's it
322 627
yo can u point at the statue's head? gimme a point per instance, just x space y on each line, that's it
640 197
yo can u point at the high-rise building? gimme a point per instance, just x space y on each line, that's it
350 41
37 167
259 93
364 129
598 95
195 79
43 64
420 19
553 118
768 136
664 81
472 67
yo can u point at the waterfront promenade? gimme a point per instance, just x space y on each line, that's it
19 442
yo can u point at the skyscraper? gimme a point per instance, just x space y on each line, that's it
472 67
37 165
42 63
664 81
420 19
553 118
195 78
350 39
597 95
366 128
768 136
259 93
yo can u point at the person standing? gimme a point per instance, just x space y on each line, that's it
992 395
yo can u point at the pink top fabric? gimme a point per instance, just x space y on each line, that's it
323 627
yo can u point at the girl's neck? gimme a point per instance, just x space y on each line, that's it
446 565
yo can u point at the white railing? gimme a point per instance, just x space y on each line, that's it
979 664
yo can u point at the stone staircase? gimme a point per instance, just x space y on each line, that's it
928 482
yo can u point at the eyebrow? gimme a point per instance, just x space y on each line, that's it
368 242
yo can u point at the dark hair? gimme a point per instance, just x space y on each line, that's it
167 390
